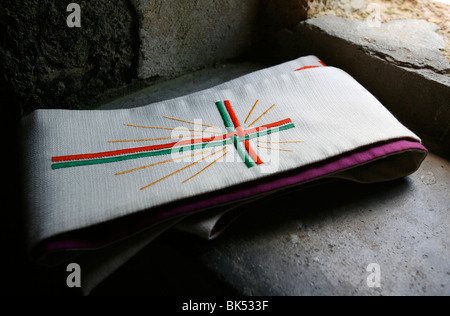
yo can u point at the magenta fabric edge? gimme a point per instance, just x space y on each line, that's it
342 163
345 163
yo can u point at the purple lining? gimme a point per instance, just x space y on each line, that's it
66 241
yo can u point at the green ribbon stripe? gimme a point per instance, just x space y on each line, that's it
230 127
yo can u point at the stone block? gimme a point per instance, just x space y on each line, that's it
179 35
46 64
410 43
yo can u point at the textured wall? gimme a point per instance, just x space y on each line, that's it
179 35
46 64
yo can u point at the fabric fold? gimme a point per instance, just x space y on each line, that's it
93 178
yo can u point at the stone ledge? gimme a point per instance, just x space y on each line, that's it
415 89
413 44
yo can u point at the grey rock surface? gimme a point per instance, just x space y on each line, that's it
321 241
416 90
412 43
46 64
181 35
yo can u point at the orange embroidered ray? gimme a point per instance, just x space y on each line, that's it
184 121
251 111
170 128
207 167
280 149
159 163
147 139
262 115
282 142
189 166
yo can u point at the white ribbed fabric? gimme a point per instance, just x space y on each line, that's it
332 114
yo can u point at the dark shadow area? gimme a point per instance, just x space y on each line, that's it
50 65
174 263
40 71
20 276
165 268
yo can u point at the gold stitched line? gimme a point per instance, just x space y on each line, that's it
275 148
148 139
170 128
174 173
158 163
251 111
283 142
204 169
262 115
184 121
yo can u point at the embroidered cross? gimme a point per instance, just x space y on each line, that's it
235 135
234 127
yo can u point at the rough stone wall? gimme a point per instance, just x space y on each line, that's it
46 64
276 15
180 35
